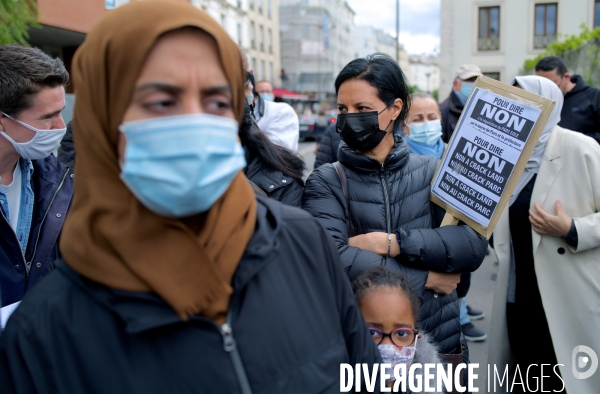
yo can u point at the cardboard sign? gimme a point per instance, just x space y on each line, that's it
492 142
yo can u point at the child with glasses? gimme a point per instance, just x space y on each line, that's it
391 309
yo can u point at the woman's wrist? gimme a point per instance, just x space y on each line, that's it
395 245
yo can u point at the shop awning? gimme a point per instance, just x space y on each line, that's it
288 94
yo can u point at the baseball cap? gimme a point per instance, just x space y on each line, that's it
467 71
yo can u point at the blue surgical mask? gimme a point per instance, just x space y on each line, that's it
465 91
427 133
267 97
250 99
178 166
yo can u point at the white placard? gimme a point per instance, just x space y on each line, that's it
483 153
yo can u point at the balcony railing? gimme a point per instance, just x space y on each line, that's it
542 41
488 43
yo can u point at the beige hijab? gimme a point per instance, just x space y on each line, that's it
109 236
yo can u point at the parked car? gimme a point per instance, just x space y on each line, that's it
308 124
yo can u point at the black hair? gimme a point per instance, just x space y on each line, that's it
383 73
374 279
552 63
250 77
274 156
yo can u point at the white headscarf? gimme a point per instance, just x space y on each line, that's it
545 88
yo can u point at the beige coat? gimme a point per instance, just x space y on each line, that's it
569 282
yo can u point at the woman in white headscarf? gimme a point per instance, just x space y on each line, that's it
547 298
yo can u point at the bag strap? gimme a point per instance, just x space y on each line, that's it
339 168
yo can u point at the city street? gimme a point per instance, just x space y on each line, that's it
481 293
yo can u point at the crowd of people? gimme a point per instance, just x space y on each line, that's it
175 246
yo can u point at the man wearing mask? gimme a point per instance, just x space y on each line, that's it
452 107
35 189
265 90
277 120
581 109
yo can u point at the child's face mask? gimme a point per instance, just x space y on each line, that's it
392 354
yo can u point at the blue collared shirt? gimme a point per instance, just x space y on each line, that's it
26 208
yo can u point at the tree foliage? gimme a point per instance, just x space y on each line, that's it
569 44
15 18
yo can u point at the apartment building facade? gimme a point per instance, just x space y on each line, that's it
254 25
499 35
317 41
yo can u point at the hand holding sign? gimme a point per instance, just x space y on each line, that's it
491 144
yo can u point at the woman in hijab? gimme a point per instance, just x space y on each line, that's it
176 279
547 298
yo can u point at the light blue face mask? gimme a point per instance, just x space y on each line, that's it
178 166
465 91
250 99
267 97
427 133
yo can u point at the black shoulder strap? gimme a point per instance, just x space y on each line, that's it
339 168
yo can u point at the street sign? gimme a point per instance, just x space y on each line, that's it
492 142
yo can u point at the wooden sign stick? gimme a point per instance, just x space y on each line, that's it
449 220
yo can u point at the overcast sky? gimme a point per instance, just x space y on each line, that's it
419 21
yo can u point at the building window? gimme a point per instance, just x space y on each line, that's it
493 75
260 6
545 25
269 8
251 4
239 4
252 40
270 42
261 38
271 76
254 68
239 34
223 21
489 29
597 13
262 70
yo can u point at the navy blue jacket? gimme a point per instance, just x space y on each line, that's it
328 148
292 314
395 197
52 184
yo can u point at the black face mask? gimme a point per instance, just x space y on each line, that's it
360 131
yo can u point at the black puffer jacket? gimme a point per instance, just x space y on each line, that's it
328 148
401 186
277 186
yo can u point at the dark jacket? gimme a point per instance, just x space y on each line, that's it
52 186
66 151
274 183
451 108
393 197
328 148
581 109
292 314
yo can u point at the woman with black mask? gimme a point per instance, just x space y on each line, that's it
276 171
376 204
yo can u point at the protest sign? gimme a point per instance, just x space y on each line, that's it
492 142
